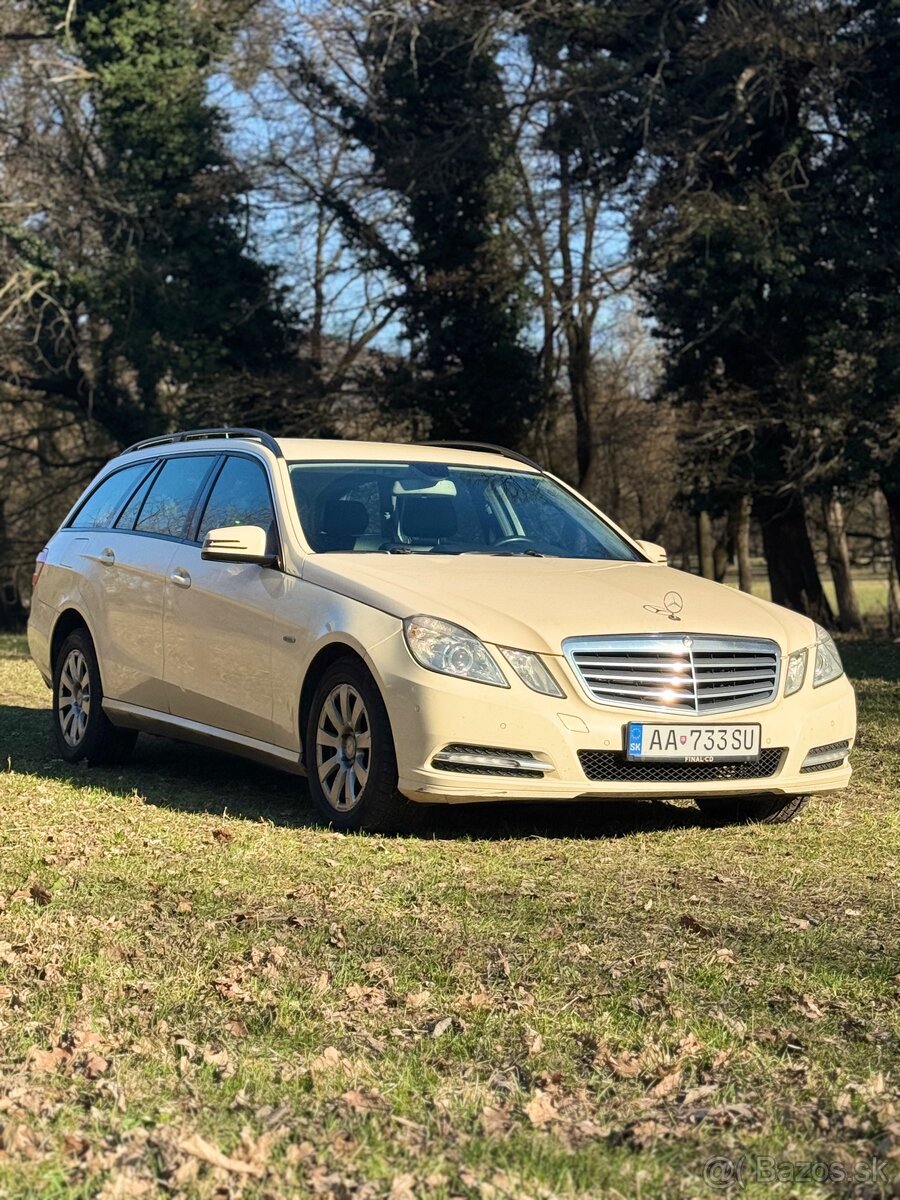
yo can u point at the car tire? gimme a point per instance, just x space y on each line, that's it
350 758
82 728
754 810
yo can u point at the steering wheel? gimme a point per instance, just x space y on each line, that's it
512 541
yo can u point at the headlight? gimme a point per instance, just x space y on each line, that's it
796 672
828 661
531 670
444 647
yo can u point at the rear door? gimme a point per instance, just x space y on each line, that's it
218 622
130 564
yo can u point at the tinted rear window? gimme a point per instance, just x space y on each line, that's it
100 509
171 498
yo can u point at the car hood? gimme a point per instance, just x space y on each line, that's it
535 603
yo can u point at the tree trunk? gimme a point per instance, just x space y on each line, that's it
739 541
892 499
578 370
893 604
849 613
705 545
721 557
793 574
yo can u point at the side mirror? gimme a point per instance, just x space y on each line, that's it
237 544
656 553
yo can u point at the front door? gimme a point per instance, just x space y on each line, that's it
218 616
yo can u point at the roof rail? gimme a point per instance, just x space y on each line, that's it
487 448
190 435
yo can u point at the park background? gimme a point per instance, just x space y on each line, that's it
653 244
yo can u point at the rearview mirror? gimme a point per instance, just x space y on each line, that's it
238 544
656 553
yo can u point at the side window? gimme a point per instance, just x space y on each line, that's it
240 496
100 509
133 507
171 497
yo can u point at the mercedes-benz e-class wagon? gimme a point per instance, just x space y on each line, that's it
415 624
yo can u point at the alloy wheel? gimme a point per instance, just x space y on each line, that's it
74 702
343 747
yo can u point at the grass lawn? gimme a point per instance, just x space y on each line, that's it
203 994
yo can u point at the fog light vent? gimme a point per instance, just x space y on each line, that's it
489 760
825 758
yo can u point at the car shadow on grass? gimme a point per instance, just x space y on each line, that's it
194 779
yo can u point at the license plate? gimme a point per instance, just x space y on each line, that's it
692 743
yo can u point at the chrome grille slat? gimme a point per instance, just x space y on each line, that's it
639 662
736 677
590 673
661 673
717 662
732 691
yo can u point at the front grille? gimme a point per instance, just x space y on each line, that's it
686 673
603 766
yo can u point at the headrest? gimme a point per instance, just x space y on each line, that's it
345 518
429 517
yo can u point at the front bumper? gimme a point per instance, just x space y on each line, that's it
431 712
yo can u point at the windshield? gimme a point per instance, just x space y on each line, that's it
441 508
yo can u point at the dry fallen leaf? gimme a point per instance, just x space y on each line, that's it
323 983
540 1109
95 1065
797 922
496 1120
692 1095
403 1188
533 1041
668 1085
809 1009
48 1060
328 1062
626 1066
415 1000
198 1147
362 1101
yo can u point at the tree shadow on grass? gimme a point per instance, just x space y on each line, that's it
866 658
194 779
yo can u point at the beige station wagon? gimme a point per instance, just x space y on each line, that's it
415 624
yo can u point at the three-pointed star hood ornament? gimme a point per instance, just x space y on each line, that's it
671 606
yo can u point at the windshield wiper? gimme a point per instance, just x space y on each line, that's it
517 554
399 550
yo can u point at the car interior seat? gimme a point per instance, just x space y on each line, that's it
342 522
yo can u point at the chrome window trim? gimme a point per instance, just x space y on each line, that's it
668 643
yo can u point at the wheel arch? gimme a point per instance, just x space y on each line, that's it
318 665
67 622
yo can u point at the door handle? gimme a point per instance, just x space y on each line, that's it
107 556
180 577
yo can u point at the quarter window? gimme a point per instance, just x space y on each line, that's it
240 496
100 509
129 513
171 498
